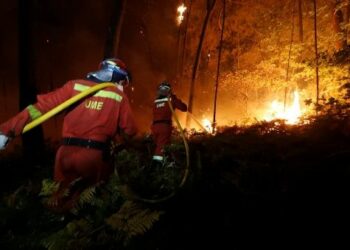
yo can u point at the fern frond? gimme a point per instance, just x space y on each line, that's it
69 237
132 219
87 195
48 187
57 241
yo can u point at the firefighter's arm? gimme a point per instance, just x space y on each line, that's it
127 125
48 101
178 104
14 126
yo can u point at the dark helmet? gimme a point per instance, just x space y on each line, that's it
111 70
164 88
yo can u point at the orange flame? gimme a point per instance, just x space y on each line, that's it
207 125
181 9
291 114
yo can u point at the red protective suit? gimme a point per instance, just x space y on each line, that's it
162 122
99 118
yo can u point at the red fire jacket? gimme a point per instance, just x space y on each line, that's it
99 117
161 109
161 127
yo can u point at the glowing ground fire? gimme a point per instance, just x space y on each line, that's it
276 110
207 125
291 113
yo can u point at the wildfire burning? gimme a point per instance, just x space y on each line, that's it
181 10
277 110
207 125
291 114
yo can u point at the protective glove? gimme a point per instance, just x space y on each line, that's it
3 141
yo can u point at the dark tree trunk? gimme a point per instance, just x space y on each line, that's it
347 17
114 28
33 141
300 14
218 65
289 54
316 54
338 19
210 6
183 53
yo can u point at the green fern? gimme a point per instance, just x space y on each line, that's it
87 195
89 198
132 219
48 187
50 192
57 241
70 237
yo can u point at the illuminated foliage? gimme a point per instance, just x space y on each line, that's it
263 58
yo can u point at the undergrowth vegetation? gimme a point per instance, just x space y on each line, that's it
241 179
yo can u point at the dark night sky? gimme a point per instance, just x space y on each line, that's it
68 42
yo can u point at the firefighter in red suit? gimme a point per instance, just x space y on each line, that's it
88 127
162 118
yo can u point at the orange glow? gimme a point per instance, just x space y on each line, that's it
207 125
291 113
181 9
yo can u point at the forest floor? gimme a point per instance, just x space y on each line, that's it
268 185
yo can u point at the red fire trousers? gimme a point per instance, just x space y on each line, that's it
162 136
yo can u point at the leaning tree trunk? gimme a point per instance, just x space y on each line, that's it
210 6
114 29
33 141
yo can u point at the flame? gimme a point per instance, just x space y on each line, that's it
207 125
181 9
291 114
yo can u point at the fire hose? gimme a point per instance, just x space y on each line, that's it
185 175
65 104
90 91
186 171
185 143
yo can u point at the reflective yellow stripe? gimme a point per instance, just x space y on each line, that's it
101 93
109 94
80 87
33 112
